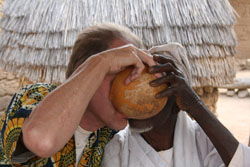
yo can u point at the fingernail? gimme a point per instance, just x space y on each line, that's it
158 75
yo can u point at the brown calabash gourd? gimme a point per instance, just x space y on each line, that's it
137 99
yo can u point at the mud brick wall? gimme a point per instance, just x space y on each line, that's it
9 84
242 28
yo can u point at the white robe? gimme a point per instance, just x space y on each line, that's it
192 148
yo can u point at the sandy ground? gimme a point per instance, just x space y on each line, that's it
234 112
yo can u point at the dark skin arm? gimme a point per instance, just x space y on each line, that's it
187 100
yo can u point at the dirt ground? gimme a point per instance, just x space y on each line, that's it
234 112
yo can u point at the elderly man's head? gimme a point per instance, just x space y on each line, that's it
176 53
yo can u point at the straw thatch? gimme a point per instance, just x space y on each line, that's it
37 36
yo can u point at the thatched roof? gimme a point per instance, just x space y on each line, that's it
37 36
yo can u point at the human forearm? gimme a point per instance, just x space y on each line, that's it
55 119
188 100
224 142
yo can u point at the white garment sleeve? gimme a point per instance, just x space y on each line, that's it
211 157
241 157
207 152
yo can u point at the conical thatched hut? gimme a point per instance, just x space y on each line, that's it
38 35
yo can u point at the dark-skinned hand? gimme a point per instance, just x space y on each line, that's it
187 100
178 86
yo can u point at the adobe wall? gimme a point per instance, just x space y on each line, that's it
9 84
242 28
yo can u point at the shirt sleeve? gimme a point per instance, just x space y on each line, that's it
207 152
241 157
21 105
211 157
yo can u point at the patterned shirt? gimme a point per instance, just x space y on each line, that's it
11 123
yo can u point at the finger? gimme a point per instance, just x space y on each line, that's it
145 57
170 78
167 93
163 60
167 68
138 68
158 75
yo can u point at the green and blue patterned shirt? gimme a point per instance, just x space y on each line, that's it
11 123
